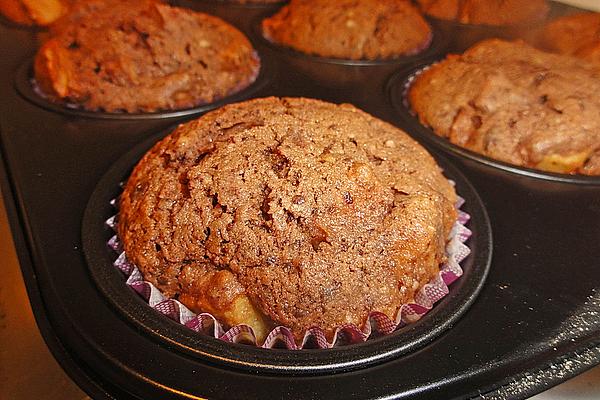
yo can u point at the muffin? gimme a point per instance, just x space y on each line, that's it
350 29
288 211
516 104
577 35
33 12
142 56
486 12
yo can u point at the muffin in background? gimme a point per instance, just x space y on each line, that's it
487 12
34 12
577 35
514 103
350 29
142 56
288 211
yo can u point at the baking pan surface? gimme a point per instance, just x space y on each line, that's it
536 312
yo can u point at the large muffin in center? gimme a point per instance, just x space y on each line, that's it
290 212
142 56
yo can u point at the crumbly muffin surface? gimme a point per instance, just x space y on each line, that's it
516 104
290 212
486 12
351 29
143 56
577 35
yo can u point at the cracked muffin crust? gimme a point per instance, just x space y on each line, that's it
516 104
487 12
289 211
577 35
351 29
142 56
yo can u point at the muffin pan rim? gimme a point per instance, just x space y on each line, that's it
397 87
488 28
23 81
34 28
110 282
437 42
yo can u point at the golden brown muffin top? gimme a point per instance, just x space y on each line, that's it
577 34
487 12
34 12
143 56
517 104
350 29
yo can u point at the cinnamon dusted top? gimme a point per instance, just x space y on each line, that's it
290 212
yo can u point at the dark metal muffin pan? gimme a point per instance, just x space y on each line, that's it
535 314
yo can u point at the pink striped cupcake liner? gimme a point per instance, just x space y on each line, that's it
377 323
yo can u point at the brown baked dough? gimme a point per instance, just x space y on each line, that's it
577 35
33 12
351 29
143 56
487 12
517 104
288 211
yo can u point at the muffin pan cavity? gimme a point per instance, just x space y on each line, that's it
437 42
398 87
27 87
448 311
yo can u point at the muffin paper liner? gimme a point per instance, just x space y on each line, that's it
377 323
409 82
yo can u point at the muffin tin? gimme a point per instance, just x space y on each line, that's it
534 313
